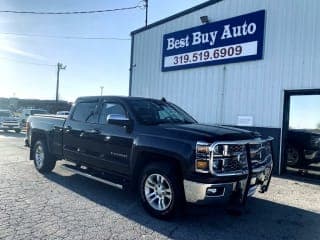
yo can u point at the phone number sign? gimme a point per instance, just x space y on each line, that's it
232 40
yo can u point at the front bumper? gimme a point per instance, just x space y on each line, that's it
204 193
9 126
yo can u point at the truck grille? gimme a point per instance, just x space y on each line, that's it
232 158
259 153
231 164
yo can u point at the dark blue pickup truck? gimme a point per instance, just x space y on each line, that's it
154 147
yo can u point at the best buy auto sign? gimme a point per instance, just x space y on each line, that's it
232 40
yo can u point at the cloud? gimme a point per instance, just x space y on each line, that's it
13 50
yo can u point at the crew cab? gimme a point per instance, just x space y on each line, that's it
8 121
155 147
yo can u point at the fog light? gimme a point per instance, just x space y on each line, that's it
215 191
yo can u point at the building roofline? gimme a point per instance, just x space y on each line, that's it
177 15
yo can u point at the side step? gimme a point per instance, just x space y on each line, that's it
82 172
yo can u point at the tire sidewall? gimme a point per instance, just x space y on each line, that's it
39 143
48 162
167 173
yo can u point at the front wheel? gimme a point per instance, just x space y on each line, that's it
161 191
43 160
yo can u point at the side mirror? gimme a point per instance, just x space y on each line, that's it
118 119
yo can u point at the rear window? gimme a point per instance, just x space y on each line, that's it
85 112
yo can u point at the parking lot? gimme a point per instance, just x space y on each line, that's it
66 206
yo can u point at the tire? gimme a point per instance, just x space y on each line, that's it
43 160
17 130
161 191
294 157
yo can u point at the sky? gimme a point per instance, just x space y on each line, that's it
304 112
90 63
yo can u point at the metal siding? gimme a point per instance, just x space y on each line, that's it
214 95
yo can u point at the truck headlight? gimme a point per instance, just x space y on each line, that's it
202 157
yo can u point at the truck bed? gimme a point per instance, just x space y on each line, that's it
50 126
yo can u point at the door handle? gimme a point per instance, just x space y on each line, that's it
92 131
107 138
68 129
89 132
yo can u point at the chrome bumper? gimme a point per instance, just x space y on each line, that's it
202 193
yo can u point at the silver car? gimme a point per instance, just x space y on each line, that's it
9 122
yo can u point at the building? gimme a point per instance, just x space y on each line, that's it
232 62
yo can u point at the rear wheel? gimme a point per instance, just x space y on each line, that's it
161 191
294 157
43 160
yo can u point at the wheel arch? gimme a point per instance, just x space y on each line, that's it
37 136
145 158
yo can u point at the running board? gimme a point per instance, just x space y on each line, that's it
87 175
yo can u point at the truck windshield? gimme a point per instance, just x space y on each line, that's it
5 114
153 112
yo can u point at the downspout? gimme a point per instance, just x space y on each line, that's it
131 65
222 94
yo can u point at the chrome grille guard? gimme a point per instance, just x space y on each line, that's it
254 164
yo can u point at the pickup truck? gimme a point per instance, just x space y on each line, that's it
155 148
8 121
303 147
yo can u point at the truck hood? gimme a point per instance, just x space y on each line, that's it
208 133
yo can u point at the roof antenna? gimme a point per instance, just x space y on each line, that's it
163 99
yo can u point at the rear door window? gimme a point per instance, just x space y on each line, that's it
86 112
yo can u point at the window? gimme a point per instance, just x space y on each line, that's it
85 112
151 112
111 108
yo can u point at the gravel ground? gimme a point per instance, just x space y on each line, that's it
66 206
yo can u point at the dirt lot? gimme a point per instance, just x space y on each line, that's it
66 206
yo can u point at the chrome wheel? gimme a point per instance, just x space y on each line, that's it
39 156
158 192
292 156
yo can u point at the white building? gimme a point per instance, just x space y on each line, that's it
275 49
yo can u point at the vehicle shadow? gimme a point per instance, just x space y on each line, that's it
12 134
308 175
262 219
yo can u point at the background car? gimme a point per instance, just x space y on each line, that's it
9 122
63 113
303 147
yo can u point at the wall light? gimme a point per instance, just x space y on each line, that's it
204 19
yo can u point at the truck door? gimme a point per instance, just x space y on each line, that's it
116 142
81 133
